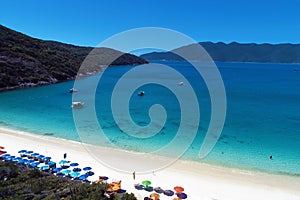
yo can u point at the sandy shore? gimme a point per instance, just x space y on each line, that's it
201 181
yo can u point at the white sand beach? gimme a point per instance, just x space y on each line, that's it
201 181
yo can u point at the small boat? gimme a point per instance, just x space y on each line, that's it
141 93
77 104
72 90
180 83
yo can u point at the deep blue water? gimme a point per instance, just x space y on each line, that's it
263 114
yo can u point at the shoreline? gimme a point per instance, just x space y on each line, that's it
216 182
180 159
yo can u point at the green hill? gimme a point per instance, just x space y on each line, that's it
236 52
26 61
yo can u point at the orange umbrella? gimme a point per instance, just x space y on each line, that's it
178 189
176 198
154 196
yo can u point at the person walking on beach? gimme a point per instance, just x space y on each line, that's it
133 174
65 155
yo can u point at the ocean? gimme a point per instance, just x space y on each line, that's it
262 119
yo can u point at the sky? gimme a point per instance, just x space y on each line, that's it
89 22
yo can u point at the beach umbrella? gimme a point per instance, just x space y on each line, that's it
86 168
34 164
16 159
22 151
28 152
146 183
74 174
7 158
103 177
74 164
27 162
62 162
10 158
3 156
154 196
83 177
148 189
168 192
139 186
52 164
47 158
182 195
76 169
178 189
55 170
40 157
90 173
34 154
2 147
66 171
44 167
158 190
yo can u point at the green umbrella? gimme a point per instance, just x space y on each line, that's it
146 183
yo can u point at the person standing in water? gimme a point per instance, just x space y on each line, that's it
133 174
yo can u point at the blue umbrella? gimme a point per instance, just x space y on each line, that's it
66 171
26 161
21 161
30 161
74 164
47 158
16 159
103 177
87 168
51 164
74 174
62 162
55 170
44 167
83 177
40 156
22 151
169 192
182 195
76 169
34 164
90 173
29 152
8 158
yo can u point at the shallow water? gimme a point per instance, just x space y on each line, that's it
263 114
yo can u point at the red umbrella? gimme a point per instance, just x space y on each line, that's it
2 147
178 189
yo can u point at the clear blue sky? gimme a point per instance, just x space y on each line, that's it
89 22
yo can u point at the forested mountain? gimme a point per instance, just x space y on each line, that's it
236 52
26 61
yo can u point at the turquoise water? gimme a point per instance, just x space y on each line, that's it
263 114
